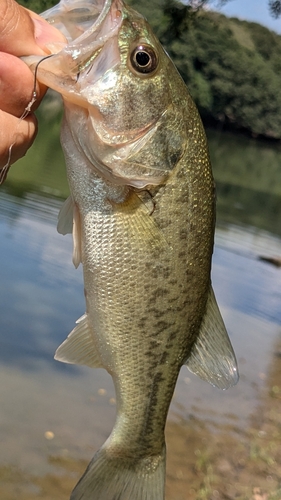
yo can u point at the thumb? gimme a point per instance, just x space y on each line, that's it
23 32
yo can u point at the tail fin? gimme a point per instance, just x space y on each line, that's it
111 477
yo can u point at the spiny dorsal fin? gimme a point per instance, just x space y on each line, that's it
212 357
79 347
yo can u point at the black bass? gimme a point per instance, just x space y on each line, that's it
142 208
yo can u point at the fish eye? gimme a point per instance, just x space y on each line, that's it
144 59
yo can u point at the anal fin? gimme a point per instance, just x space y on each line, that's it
79 347
212 357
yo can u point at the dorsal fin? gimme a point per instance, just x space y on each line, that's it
212 357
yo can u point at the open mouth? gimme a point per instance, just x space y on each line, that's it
74 18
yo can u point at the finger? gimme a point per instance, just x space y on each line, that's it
16 26
16 85
22 32
44 33
17 133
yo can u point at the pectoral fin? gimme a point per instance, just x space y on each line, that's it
70 222
77 237
136 216
79 347
65 219
212 357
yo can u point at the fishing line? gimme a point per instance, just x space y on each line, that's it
4 170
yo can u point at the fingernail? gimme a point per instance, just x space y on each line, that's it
45 34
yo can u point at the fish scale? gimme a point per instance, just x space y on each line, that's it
142 211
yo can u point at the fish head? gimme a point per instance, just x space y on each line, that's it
118 72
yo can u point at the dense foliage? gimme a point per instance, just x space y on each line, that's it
232 67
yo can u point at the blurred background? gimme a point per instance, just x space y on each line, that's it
53 417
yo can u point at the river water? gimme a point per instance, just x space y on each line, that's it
54 416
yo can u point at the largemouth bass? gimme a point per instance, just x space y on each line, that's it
142 210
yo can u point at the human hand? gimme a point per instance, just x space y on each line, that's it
22 33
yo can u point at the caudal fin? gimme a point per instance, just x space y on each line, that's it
111 477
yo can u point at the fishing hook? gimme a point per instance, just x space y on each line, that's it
4 170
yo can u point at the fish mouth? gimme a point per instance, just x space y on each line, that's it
77 20
88 26
74 17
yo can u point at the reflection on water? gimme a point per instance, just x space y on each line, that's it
258 292
49 409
